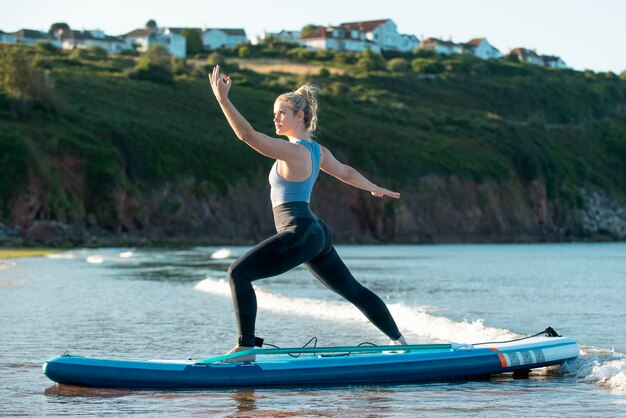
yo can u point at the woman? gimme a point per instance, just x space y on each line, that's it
301 236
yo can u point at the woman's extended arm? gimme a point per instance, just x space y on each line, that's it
266 145
347 174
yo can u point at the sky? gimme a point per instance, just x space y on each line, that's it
586 34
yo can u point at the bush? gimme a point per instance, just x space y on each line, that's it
42 62
427 66
300 54
324 55
243 51
180 67
46 47
93 53
425 53
146 71
155 65
339 89
398 64
78 54
157 55
344 58
96 53
324 72
214 59
26 85
370 61
129 53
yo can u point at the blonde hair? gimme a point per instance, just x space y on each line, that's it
303 99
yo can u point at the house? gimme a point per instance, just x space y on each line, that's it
441 47
481 48
71 39
142 39
553 61
7 38
33 37
338 38
215 38
409 42
283 35
384 33
527 55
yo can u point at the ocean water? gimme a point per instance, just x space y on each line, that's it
175 304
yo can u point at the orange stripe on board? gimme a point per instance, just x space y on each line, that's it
500 356
502 360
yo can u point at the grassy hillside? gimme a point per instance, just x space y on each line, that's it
449 116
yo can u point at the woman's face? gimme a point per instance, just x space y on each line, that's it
286 121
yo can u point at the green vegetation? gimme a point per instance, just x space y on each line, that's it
25 252
127 124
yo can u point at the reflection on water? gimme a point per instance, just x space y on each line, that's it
70 391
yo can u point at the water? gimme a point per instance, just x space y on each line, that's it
175 304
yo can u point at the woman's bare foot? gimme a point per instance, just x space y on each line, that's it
237 349
399 341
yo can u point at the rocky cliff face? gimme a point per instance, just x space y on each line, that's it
437 209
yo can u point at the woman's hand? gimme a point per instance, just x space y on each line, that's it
381 191
220 83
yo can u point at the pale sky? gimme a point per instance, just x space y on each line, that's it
586 34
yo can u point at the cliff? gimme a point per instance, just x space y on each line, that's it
509 153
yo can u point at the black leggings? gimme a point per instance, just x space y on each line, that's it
301 238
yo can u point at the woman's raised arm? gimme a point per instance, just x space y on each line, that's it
264 144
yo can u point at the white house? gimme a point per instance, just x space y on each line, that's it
283 35
553 61
527 55
7 38
83 39
339 38
441 47
144 38
384 33
33 37
481 48
215 38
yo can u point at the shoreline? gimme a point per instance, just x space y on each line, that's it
16 252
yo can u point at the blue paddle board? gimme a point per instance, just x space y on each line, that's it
318 366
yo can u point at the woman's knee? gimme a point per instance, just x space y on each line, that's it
236 274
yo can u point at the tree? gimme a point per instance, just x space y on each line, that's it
194 41
308 29
623 75
25 84
512 57
151 24
54 28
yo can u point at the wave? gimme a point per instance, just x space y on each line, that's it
415 323
605 368
221 254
